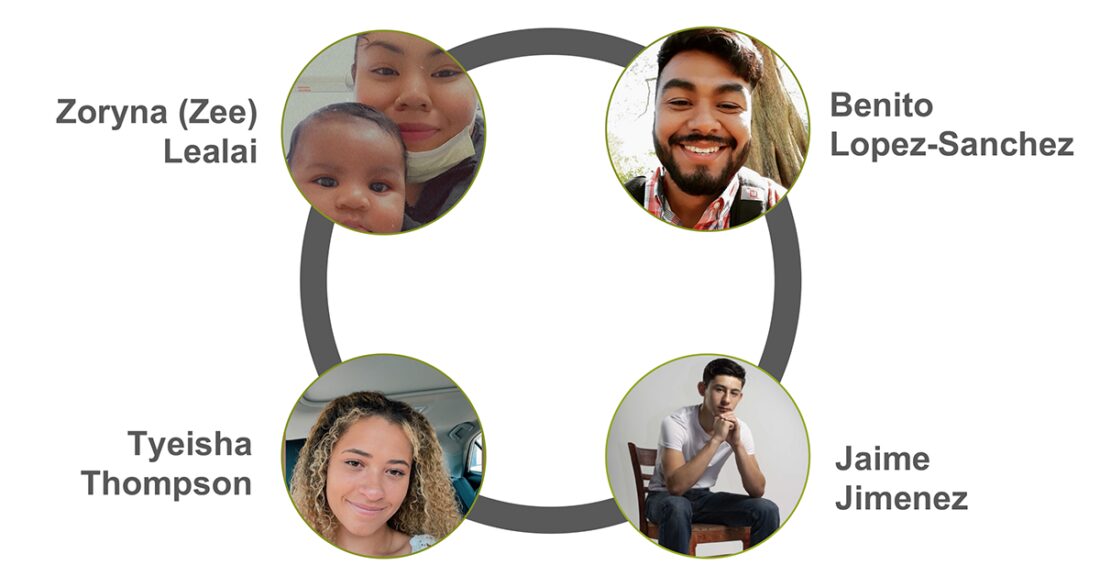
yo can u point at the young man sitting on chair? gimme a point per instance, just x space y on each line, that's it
695 443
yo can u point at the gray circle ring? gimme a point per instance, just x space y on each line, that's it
787 260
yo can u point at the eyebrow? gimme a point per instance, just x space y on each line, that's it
730 87
685 85
397 49
677 83
369 455
323 166
394 170
379 43
388 171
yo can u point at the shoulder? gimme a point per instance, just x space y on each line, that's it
680 420
441 193
421 541
674 429
750 177
636 187
478 136
757 187
684 415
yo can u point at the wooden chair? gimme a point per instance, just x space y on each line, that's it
700 533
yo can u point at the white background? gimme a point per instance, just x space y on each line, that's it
948 302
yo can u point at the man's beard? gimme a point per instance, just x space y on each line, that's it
700 182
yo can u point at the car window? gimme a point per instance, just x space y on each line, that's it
474 459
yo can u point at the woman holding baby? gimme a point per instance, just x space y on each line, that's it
433 102
406 86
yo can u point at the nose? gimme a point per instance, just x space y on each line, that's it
704 120
353 198
370 486
414 92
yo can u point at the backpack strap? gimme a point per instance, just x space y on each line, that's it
752 197
636 187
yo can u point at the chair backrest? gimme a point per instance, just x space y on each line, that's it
641 457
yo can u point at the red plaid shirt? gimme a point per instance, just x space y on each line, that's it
717 214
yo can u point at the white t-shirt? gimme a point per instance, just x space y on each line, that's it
420 542
682 431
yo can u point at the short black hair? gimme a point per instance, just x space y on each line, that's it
723 367
354 110
728 45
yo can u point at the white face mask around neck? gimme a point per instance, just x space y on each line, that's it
423 166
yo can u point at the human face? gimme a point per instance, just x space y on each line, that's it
722 395
368 476
703 124
416 84
353 172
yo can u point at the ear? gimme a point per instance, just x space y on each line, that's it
353 67
702 388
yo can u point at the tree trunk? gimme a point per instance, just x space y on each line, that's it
779 138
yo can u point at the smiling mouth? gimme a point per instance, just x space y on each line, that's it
702 148
416 132
366 509
709 151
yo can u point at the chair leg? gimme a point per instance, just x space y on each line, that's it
692 544
746 542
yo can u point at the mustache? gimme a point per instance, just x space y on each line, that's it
698 138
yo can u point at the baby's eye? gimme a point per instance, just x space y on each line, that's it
379 187
679 103
325 182
730 107
384 71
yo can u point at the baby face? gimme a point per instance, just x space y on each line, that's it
353 172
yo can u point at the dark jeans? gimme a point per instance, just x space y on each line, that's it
675 515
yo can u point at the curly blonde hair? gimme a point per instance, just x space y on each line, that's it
429 507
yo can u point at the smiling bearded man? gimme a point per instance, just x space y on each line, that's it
702 133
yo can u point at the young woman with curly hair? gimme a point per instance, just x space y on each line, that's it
370 478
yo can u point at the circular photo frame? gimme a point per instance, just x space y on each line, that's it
383 455
707 129
383 132
707 455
